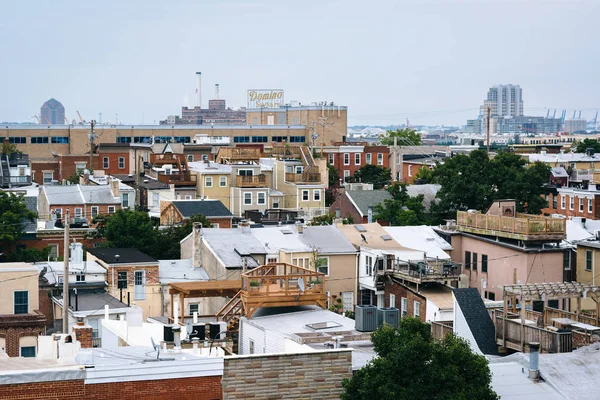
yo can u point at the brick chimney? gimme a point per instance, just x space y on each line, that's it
114 186
83 334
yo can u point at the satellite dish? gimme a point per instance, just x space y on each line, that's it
364 239
301 284
156 347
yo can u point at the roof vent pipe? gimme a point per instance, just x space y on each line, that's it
534 361
370 214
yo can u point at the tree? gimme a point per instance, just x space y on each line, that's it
406 137
583 145
401 209
29 255
13 217
9 148
425 175
375 174
134 229
410 364
474 181
74 179
167 246
334 177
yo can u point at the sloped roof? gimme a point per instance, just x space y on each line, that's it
285 238
559 172
80 194
208 208
31 205
477 317
180 271
126 255
230 245
328 239
365 198
422 238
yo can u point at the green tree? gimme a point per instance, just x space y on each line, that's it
375 174
582 145
29 255
167 246
9 148
406 137
326 219
401 209
13 217
334 178
127 228
410 364
74 179
474 181
426 175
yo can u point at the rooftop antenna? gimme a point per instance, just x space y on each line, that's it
156 348
217 91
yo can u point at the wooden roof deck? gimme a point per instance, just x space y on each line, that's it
521 227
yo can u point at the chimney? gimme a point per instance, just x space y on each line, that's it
114 186
199 89
76 254
86 177
217 91
370 214
534 361
197 244
300 227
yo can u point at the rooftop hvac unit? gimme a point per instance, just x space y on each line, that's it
168 333
389 316
365 318
198 331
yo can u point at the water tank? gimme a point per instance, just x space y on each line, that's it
168 333
389 315
198 331
365 318
215 329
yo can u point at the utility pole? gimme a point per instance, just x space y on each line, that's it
66 277
489 111
92 138
138 193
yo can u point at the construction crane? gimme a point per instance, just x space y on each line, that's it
38 119
66 120
80 119
48 121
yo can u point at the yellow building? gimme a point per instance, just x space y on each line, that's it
588 268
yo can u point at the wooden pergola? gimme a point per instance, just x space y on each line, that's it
527 293
212 288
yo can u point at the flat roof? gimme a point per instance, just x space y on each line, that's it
100 128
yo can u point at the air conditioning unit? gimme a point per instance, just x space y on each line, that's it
365 318
389 315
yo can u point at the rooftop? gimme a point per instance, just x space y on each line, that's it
328 240
471 307
422 238
372 236
429 191
208 208
231 245
170 271
79 194
285 238
362 199
510 382
121 255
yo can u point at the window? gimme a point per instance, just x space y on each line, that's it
53 252
94 211
121 162
392 300
139 288
272 260
141 139
80 278
241 139
39 140
563 201
21 302
190 157
208 181
403 307
410 170
28 351
223 181
48 177
491 296
58 213
279 139
260 139
323 265
275 203
297 139
554 202
346 175
155 199
588 261
80 166
78 212
379 158
122 280
369 265
248 198
123 139
331 158
316 195
105 163
580 204
182 139
467 259
417 309
187 197
356 158
571 202
111 209
589 206
346 159
474 262
261 198
368 158
193 309
484 262
299 169
567 260
125 202
245 172
60 140
305 195
251 346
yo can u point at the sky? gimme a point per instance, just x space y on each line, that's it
387 60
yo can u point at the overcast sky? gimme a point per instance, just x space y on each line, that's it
430 61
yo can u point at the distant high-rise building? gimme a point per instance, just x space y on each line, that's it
52 112
575 125
504 101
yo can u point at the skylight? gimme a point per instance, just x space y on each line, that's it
360 228
386 237
323 325
286 232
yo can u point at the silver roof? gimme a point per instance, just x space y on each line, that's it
179 271
79 194
328 239
230 245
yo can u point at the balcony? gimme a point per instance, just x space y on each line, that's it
236 154
522 227
309 175
251 181
286 151
423 271
184 179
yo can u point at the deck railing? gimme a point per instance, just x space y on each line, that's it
439 330
282 279
550 341
250 180
428 269
523 224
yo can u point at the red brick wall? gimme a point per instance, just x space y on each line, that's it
46 306
56 390
414 170
401 291
595 214
346 208
13 333
151 274
84 335
223 222
86 210
113 163
201 388
43 241
338 159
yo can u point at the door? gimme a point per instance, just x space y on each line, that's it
348 298
139 291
